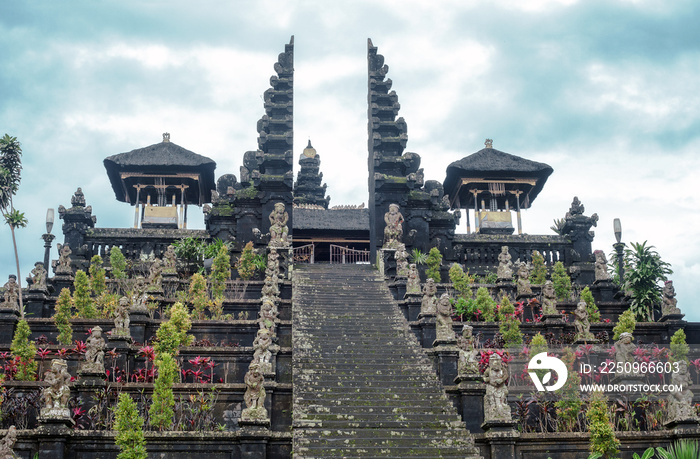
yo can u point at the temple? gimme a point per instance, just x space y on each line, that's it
288 327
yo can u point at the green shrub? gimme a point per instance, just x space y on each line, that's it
98 282
61 317
569 404
418 257
485 304
173 333
434 261
198 295
24 352
625 323
161 411
603 439
118 263
81 296
591 308
129 427
679 347
539 270
538 344
561 281
461 281
644 272
509 325
246 262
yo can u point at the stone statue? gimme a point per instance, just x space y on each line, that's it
11 295
624 352
56 395
669 304
38 278
505 266
262 355
401 257
121 319
680 403
8 443
155 278
170 260
581 322
601 266
549 299
496 399
139 297
524 288
468 363
268 314
278 226
270 287
94 353
254 396
413 283
443 323
393 231
428 306
64 252
78 198
272 269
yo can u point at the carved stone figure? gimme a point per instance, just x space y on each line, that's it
393 231
56 395
78 198
549 299
413 283
94 353
64 252
505 266
581 322
680 403
401 257
170 260
139 297
524 279
11 295
468 363
428 306
443 323
496 399
624 352
270 288
155 278
278 226
8 443
254 396
601 266
121 319
272 268
669 305
268 314
38 278
262 355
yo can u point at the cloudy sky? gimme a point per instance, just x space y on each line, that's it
606 92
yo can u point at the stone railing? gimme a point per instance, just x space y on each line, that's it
480 251
134 242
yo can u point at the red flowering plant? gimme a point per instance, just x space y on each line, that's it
486 355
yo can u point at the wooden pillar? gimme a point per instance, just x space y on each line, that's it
517 203
136 206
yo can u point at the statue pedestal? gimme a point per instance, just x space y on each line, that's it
605 290
630 381
139 319
35 304
399 286
62 280
671 317
53 433
8 322
554 323
501 436
253 439
584 341
683 424
471 395
413 301
90 376
426 323
445 355
252 424
387 262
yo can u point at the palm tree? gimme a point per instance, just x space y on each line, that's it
10 168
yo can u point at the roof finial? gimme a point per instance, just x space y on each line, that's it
489 143
166 137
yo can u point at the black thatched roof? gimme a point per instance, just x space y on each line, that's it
164 158
331 219
490 163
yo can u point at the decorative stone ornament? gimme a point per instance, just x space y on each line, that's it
38 277
505 266
496 399
669 303
468 363
170 261
393 231
601 267
680 403
279 231
624 354
444 334
122 320
262 355
56 395
413 283
63 266
11 294
401 257
523 271
549 299
8 443
428 306
582 323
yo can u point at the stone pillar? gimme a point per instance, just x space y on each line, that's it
445 357
8 322
139 321
35 304
53 435
426 324
501 436
471 395
253 441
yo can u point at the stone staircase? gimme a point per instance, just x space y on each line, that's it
362 385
